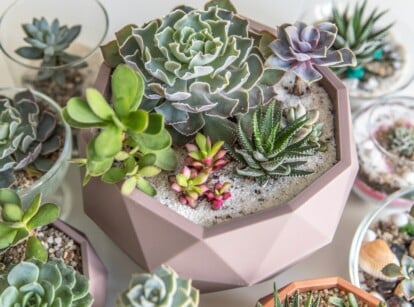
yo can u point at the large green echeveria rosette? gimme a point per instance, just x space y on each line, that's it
201 68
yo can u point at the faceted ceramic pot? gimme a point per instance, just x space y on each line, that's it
93 268
321 284
240 252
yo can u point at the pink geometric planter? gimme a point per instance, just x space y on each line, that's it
92 266
239 252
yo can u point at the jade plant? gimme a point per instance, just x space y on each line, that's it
267 148
130 143
201 67
162 288
18 224
30 138
300 48
37 284
360 31
48 42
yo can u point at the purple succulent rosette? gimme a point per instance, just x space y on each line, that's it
300 47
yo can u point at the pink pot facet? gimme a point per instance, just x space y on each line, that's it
244 250
93 267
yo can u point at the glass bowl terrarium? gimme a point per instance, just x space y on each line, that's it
384 134
378 39
50 47
382 250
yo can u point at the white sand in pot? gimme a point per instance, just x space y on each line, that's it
247 195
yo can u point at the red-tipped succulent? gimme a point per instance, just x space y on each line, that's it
205 156
190 184
218 195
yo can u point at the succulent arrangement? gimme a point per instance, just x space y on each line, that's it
162 288
30 138
48 42
131 143
37 284
359 31
299 48
398 139
201 68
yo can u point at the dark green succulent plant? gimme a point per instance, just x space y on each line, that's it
30 137
201 68
33 283
163 288
48 42
18 223
268 148
360 32
130 143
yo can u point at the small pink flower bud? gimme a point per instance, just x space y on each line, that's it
191 147
175 187
208 161
186 172
221 154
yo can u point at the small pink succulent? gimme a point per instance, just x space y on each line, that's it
218 195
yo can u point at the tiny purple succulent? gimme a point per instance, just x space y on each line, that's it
300 47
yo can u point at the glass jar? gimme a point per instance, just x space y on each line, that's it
391 68
59 76
50 181
382 132
374 227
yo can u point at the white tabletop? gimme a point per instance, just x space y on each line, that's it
331 260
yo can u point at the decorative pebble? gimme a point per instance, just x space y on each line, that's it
371 84
399 219
370 235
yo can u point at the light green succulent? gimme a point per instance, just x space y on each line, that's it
292 301
29 137
268 148
51 284
201 68
360 32
163 288
17 223
48 42
128 138
400 140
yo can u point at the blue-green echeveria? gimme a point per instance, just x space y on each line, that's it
163 288
51 284
201 68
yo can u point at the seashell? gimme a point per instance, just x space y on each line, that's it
370 235
399 219
377 295
374 256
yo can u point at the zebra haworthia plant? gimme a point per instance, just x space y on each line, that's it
130 143
30 137
48 42
201 68
268 148
163 288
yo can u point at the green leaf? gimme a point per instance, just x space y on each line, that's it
127 90
149 171
98 104
137 121
155 124
114 175
148 143
201 141
74 124
108 142
128 186
12 213
391 270
147 160
36 250
7 235
33 208
47 214
79 111
144 186
9 196
31 53
223 4
166 159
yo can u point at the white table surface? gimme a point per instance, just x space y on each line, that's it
331 260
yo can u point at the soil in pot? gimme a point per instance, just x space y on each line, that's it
58 244
388 239
326 294
249 196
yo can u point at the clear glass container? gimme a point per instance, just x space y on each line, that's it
89 14
362 93
49 182
383 171
385 212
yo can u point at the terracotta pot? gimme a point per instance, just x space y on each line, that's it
320 284
93 268
240 252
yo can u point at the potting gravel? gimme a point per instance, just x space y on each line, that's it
325 294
